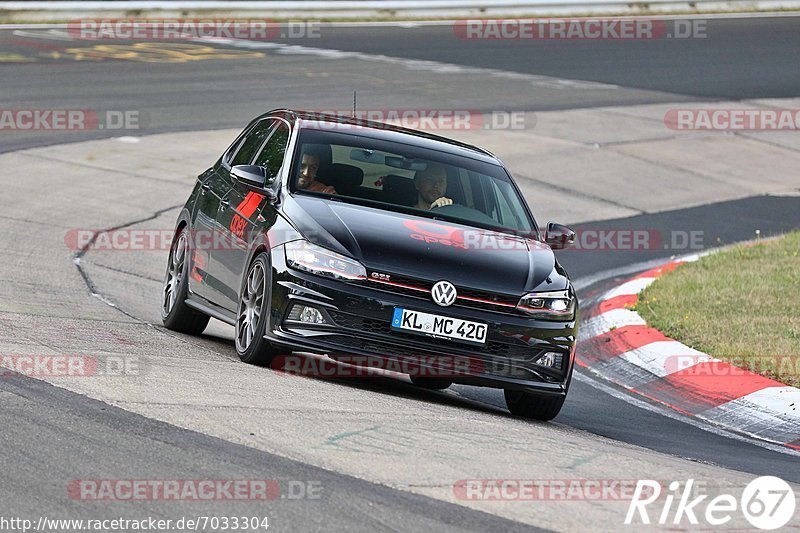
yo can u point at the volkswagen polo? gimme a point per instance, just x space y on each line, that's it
362 240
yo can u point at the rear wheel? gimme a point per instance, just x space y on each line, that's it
251 316
531 406
431 383
175 314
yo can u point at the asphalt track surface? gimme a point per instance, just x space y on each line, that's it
741 59
707 68
738 59
59 432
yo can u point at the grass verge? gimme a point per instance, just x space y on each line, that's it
741 305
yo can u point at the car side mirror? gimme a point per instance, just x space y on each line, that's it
558 236
256 177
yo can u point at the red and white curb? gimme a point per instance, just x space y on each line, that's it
618 345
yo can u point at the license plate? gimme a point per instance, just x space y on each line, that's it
438 326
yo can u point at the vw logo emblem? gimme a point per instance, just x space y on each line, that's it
443 293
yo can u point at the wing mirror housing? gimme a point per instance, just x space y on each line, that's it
255 177
558 236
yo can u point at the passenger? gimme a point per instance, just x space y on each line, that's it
431 185
307 175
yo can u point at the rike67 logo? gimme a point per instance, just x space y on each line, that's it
767 503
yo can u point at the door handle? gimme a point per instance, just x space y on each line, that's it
206 187
224 204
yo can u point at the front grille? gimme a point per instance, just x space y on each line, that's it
479 365
511 350
471 298
349 321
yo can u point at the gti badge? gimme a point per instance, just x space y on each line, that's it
443 293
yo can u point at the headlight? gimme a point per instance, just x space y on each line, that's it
302 255
555 305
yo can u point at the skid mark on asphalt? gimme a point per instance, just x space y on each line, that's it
399 442
334 441
580 461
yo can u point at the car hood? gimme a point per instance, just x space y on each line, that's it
402 244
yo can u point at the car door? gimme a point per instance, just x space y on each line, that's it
240 211
213 188
209 237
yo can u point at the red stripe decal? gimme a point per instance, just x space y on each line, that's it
251 204
244 202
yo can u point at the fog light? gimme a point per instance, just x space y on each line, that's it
304 313
550 360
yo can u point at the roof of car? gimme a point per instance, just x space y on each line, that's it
388 132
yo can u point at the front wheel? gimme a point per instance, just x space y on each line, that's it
531 406
175 314
251 317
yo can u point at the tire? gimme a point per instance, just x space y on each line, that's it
431 383
175 314
251 314
535 407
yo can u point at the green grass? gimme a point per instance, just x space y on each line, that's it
740 305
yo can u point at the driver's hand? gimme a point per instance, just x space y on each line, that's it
441 202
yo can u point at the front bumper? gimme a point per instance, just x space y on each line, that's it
360 316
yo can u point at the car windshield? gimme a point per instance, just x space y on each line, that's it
410 179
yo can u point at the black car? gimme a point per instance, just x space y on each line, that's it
346 237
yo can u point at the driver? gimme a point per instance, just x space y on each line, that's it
431 185
307 175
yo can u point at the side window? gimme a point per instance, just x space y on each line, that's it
488 197
252 142
508 204
466 186
235 146
273 152
506 217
